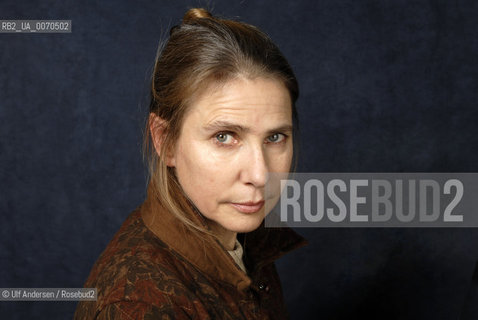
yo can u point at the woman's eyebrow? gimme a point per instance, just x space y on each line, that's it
219 125
286 128
222 125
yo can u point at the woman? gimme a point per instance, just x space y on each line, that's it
222 116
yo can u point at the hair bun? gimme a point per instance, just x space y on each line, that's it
194 14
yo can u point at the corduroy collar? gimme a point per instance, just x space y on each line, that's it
261 246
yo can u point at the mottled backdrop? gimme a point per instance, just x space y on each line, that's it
387 86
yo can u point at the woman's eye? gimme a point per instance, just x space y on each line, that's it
223 137
276 138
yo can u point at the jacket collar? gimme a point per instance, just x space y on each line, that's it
261 246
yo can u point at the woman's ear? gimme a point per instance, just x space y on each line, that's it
157 127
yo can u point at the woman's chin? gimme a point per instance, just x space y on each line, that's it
246 225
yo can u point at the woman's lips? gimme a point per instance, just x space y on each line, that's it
248 207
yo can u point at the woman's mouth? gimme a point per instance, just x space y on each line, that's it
248 207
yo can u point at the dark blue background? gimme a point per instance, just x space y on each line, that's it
386 86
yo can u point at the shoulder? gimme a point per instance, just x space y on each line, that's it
137 273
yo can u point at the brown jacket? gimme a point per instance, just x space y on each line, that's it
154 268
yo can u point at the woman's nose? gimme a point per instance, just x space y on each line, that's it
255 167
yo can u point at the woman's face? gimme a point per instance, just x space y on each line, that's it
230 139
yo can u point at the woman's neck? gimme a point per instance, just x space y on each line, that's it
226 237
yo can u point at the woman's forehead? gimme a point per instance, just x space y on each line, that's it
244 99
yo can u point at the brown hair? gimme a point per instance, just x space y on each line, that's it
203 51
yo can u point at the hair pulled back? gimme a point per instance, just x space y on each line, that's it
202 52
